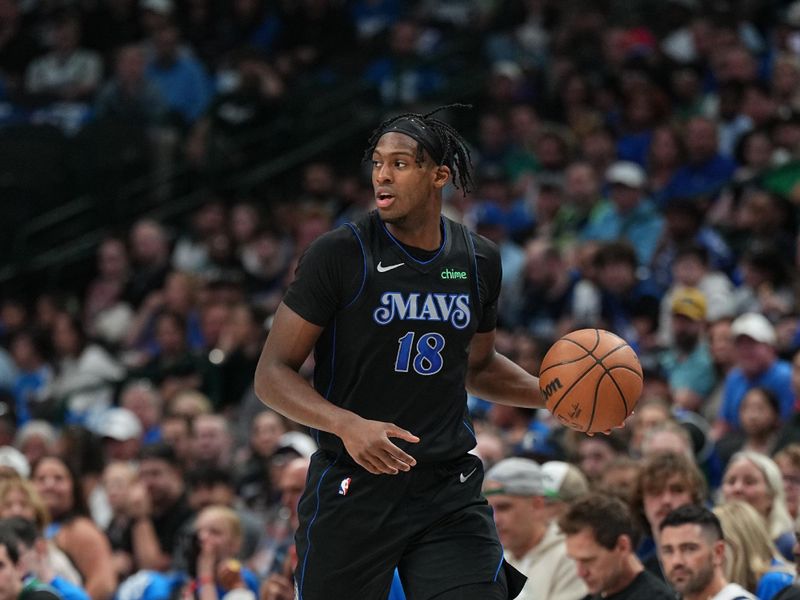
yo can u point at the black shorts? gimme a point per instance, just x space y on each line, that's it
431 523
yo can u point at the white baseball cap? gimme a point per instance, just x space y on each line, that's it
755 326
626 173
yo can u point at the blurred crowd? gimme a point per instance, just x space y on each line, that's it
637 163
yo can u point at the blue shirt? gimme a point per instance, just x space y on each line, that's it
641 226
699 181
184 85
777 379
694 372
773 582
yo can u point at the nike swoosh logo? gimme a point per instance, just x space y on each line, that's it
462 478
382 269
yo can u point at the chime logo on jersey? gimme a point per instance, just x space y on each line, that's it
423 307
344 486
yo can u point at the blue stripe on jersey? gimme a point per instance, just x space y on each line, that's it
469 428
497 572
310 525
403 250
475 263
364 259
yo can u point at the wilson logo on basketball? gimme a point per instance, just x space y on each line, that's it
551 388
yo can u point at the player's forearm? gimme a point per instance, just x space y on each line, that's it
285 391
502 381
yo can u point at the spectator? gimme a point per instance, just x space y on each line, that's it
72 529
756 365
515 489
620 478
600 536
788 461
212 441
628 215
143 400
149 251
596 453
563 484
759 415
119 478
29 351
755 563
106 314
11 571
756 479
35 439
179 77
699 574
666 481
68 73
121 433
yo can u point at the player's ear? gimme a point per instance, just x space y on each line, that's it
441 176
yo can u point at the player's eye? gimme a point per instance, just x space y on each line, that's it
376 164
399 163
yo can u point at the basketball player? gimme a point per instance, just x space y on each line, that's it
400 310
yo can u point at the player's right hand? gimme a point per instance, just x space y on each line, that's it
368 444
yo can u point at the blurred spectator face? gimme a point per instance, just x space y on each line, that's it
489 447
685 84
245 220
66 35
35 447
215 532
24 352
291 484
744 481
179 292
209 219
686 332
758 105
666 441
551 152
524 124
541 263
737 65
757 416
170 336
311 228
758 151
517 519
16 503
203 496
403 39
212 440
66 340
665 150
594 457
548 203
144 402
620 481
175 432
648 416
118 477
13 315
617 277
112 259
131 63
318 179
790 473
55 486
166 43
786 135
599 149
268 427
212 322
492 132
624 197
688 270
796 374
149 243
164 482
752 357
701 140
581 186
720 341
662 498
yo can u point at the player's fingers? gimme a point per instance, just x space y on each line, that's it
394 431
394 462
399 454
369 464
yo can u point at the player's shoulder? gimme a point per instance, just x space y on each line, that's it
484 247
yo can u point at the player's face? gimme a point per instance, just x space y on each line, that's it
403 188
689 558
599 567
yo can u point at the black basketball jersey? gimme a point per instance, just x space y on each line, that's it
398 350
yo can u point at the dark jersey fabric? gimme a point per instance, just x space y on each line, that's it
397 328
645 586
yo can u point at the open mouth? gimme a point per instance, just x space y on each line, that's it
384 199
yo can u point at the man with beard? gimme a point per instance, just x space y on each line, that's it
692 550
687 363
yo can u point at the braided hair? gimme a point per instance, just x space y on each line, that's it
443 142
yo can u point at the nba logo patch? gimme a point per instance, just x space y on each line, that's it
344 486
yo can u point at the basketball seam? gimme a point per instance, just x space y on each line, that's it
598 361
581 346
566 362
594 404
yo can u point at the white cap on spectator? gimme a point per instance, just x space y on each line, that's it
507 68
163 7
563 481
300 442
515 476
14 459
755 326
119 424
626 173
792 17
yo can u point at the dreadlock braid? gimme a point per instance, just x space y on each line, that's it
454 150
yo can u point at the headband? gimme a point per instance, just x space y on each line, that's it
416 129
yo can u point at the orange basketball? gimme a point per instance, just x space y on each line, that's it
591 380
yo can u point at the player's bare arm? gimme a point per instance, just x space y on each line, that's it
493 377
279 385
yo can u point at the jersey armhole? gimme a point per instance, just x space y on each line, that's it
477 285
363 264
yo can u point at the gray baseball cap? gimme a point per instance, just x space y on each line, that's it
515 477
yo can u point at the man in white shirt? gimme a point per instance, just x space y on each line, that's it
533 544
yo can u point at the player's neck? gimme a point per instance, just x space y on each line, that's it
425 234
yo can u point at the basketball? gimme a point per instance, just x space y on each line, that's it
591 380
